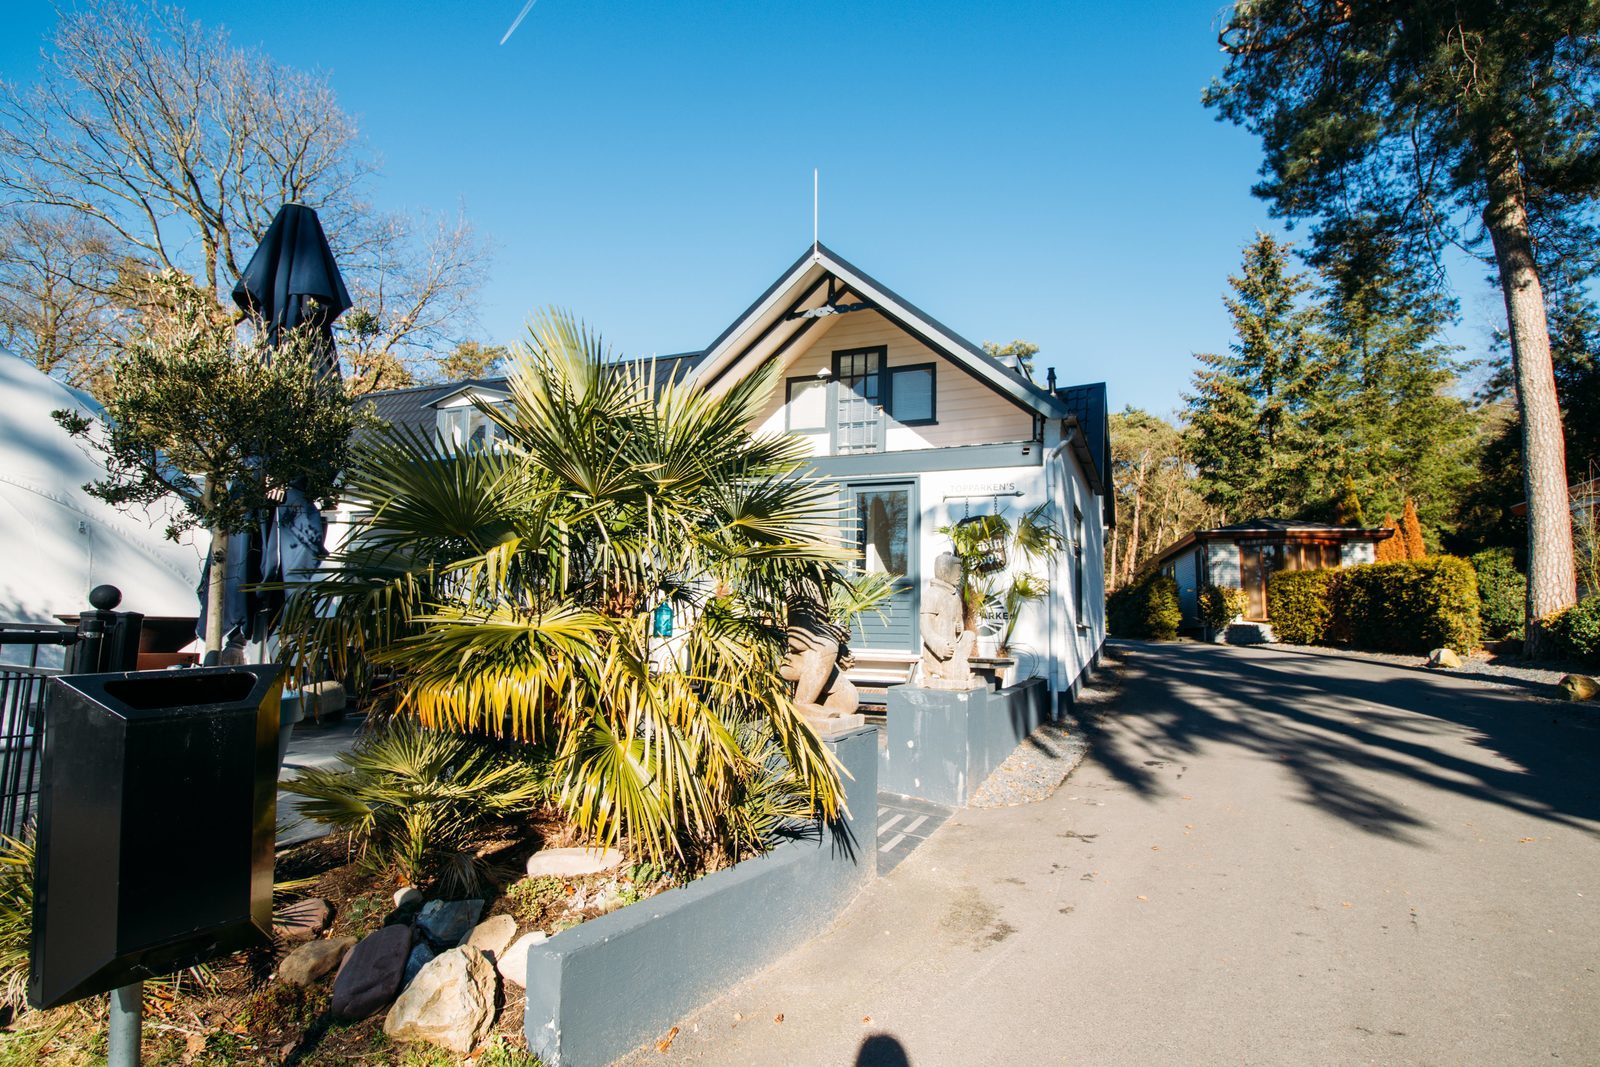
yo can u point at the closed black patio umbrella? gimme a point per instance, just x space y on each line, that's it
291 282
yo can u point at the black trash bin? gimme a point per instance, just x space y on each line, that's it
157 814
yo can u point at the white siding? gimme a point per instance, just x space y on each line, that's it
1355 553
1222 564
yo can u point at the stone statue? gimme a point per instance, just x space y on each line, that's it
817 660
946 646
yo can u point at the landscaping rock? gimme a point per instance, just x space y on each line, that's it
513 964
448 922
371 973
450 1002
572 862
1445 658
493 936
421 955
312 960
1580 687
302 920
408 897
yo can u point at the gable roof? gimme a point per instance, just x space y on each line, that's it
483 385
821 279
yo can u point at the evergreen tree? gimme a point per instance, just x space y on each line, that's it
1347 509
1253 414
1452 123
1399 431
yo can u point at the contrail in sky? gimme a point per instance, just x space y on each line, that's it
518 20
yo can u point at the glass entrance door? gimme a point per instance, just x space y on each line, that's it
886 535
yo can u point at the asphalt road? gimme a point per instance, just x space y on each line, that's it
1269 857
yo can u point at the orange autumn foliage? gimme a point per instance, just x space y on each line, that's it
1411 530
1391 549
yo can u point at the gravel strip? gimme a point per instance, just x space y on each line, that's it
1045 757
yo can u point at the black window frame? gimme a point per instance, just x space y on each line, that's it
887 391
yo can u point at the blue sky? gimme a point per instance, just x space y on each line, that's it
1035 170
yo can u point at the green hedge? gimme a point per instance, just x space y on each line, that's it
1147 608
1301 606
1578 630
1221 604
1502 593
1408 606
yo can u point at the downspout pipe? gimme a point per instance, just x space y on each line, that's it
1051 458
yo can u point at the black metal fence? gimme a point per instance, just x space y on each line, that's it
21 743
103 640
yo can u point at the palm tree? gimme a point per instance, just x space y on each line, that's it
511 590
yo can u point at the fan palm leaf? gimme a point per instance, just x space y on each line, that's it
508 592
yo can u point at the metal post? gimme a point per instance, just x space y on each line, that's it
127 1018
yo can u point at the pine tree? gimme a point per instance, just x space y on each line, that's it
1252 413
1470 122
1411 531
1400 431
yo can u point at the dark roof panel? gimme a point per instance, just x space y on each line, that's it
412 409
1089 406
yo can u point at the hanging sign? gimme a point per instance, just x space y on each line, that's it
989 556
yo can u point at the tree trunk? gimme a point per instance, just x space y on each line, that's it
216 589
1131 561
216 586
1552 583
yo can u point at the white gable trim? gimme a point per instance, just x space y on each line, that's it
472 393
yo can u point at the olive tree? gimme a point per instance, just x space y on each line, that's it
215 421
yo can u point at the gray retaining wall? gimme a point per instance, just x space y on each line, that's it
942 744
608 986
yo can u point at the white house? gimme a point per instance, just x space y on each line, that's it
918 427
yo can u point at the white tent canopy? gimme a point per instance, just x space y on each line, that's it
56 541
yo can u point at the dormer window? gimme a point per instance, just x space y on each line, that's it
463 425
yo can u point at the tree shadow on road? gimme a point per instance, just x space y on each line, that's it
1323 717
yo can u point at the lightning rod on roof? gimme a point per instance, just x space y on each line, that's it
815 182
